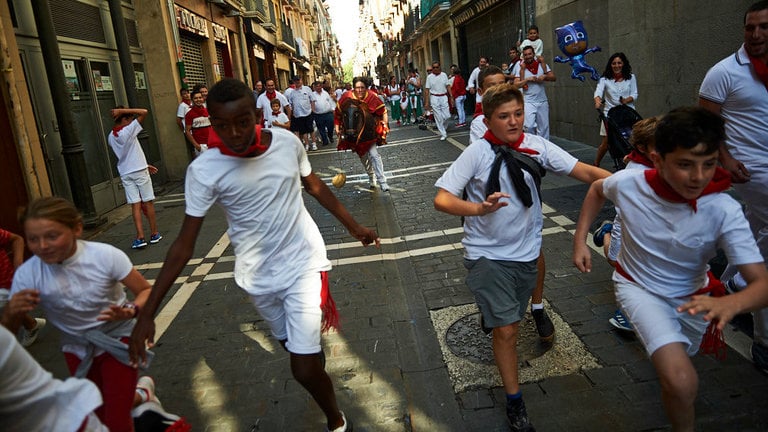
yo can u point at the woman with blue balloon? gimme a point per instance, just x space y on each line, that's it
617 86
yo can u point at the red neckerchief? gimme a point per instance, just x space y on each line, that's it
272 95
491 138
618 77
720 182
761 69
117 129
533 67
255 149
276 113
641 158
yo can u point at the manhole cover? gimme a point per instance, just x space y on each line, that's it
466 339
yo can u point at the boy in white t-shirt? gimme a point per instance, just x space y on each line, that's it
535 42
256 176
673 220
503 220
134 170
277 118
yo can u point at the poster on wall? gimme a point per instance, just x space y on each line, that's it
97 80
70 76
141 83
106 83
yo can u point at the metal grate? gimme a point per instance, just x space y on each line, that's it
130 28
194 66
77 20
220 58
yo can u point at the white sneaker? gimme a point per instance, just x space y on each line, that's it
443 137
313 147
346 427
384 187
28 337
147 385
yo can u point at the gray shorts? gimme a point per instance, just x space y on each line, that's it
501 289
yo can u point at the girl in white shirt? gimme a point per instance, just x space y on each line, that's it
617 86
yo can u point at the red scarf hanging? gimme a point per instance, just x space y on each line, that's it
533 67
327 305
618 77
641 158
720 182
491 138
271 95
761 69
117 129
255 149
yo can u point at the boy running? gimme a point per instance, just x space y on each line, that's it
503 222
673 220
256 176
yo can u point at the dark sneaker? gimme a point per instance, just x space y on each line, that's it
599 234
543 325
154 238
150 417
139 243
517 417
620 321
760 356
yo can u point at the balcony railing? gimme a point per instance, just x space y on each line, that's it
286 37
428 6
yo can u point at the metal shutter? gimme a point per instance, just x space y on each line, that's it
220 58
77 20
193 60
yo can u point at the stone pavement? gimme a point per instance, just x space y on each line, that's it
217 365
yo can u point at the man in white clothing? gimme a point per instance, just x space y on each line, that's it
437 96
323 113
530 76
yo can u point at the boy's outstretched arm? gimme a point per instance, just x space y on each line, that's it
447 202
315 187
177 257
593 202
754 296
588 173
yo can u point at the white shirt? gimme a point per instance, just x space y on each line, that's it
130 156
536 91
538 46
472 81
323 102
610 91
73 293
274 237
732 83
182 111
263 102
477 128
32 400
281 118
301 101
665 246
437 84
512 233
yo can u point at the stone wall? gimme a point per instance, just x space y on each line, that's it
670 44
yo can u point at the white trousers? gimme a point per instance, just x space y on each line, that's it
442 112
373 164
537 119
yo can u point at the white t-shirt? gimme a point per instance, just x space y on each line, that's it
301 101
32 400
339 92
130 156
477 128
281 118
73 293
665 246
512 233
263 102
323 102
275 239
472 81
182 111
535 93
611 91
538 46
437 84
732 83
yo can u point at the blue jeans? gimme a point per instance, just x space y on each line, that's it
324 123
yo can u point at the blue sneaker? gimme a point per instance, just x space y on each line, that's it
597 236
154 238
139 243
620 321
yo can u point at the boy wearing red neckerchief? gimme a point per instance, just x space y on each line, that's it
502 223
256 175
674 218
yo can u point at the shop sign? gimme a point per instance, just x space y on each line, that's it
219 33
258 51
191 22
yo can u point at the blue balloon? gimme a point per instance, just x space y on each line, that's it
572 40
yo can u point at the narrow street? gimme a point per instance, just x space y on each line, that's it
391 364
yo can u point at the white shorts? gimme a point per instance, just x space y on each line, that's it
615 246
294 314
138 186
655 318
603 132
